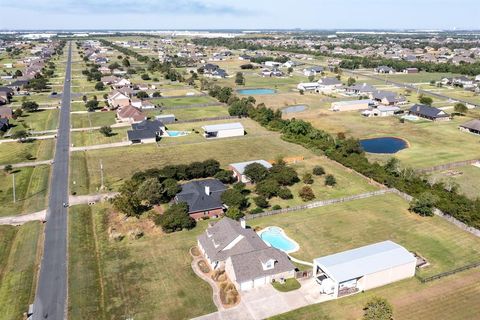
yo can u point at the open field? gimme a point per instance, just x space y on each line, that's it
327 230
19 259
14 152
455 298
93 137
149 278
93 119
174 102
192 113
36 121
31 186
466 177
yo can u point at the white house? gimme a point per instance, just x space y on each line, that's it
272 64
363 268
225 130
351 105
239 169
381 111
329 84
308 86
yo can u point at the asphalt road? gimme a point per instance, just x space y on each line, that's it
408 86
50 298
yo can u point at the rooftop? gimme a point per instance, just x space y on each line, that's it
223 126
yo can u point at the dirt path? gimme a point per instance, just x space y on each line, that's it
24 218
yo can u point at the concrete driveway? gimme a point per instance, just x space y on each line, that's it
264 302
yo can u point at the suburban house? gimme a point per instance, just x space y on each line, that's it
203 198
142 104
6 113
121 83
224 130
384 69
108 80
363 268
166 118
381 111
146 131
309 86
329 84
387 98
312 71
360 89
410 70
247 260
351 105
130 114
239 169
116 99
428 112
472 126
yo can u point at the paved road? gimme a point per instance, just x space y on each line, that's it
408 86
50 298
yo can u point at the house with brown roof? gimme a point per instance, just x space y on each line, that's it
472 126
130 114
6 113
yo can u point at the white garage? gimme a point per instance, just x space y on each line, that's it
224 130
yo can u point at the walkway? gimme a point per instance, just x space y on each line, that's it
28 164
216 292
90 198
24 218
102 146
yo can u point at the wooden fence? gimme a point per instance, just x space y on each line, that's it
448 166
208 119
194 105
449 273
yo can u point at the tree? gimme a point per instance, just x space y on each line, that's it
318 171
425 100
284 175
30 106
261 202
423 205
307 178
330 180
351 81
126 62
290 70
17 113
175 218
234 213
91 105
225 176
171 188
156 94
285 193
151 191
8 168
20 135
84 98
267 188
378 309
460 108
234 198
114 65
255 172
106 131
239 79
99 86
18 73
306 193
127 201
145 77
142 95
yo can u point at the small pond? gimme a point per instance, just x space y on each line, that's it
276 237
383 145
258 91
293 109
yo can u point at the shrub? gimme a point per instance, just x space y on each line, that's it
306 193
285 193
261 202
330 180
424 205
307 178
318 171
267 188
256 211
234 213
276 207
378 309
234 198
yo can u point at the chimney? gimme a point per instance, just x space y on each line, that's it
207 190
243 223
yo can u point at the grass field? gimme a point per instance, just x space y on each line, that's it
193 113
149 278
15 152
36 121
31 185
175 102
93 137
466 177
19 259
327 230
92 119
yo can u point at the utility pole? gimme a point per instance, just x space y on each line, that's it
101 175
13 181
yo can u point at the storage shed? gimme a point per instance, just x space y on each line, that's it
225 130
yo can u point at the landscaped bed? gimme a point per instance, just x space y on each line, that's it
288 285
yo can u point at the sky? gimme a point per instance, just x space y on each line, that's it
240 14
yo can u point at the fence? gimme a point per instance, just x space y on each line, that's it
317 204
448 166
194 105
449 273
208 119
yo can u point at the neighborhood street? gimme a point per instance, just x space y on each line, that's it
50 298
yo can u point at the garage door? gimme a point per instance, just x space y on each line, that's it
259 282
247 285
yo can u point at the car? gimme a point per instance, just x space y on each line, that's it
54 93
68 80
65 205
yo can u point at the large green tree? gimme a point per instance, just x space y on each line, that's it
378 309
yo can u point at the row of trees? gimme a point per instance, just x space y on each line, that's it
348 152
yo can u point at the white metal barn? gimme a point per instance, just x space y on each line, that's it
363 268
225 130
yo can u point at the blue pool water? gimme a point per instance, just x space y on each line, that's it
276 238
176 133
383 145
293 109
252 92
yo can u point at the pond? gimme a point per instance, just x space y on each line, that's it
276 237
293 109
383 145
258 91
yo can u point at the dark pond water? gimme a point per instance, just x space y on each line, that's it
383 145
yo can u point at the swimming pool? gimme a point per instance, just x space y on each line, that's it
276 237
410 117
258 91
176 133
383 145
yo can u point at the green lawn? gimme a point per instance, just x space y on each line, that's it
36 121
19 259
330 229
92 119
149 278
15 152
193 113
465 177
93 137
289 285
31 185
174 102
